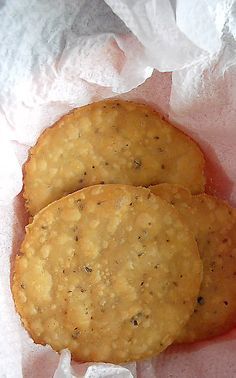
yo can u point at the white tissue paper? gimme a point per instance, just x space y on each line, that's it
100 370
58 54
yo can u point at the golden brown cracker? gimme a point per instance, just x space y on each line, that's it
109 272
213 222
109 142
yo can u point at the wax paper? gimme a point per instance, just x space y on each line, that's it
180 57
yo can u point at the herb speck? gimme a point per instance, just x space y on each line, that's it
137 164
88 269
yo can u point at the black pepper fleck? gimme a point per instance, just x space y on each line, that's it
201 300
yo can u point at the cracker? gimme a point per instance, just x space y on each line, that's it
109 272
213 222
109 142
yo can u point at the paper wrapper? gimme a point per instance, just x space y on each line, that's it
56 55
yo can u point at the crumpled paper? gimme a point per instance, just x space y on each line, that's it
89 370
58 55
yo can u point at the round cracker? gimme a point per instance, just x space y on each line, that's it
109 142
109 272
213 222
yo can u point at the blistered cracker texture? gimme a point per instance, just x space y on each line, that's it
109 142
109 272
213 222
